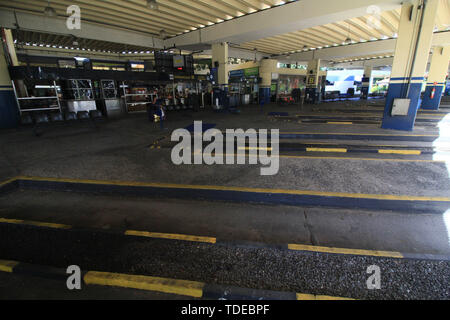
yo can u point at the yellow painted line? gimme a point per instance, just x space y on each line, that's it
371 145
362 159
364 134
312 297
170 236
408 152
365 115
7 265
340 150
164 285
432 114
358 252
3 183
242 189
332 122
253 148
36 223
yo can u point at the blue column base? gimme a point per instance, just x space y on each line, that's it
432 104
9 114
405 123
264 95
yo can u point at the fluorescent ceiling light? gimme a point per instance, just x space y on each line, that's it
49 11
152 5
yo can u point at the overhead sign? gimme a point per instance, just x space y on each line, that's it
237 73
178 61
251 72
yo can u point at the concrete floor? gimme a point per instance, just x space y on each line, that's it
119 150
344 228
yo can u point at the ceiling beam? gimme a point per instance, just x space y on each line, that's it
279 20
38 23
360 49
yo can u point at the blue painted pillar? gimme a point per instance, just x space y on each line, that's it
9 112
413 46
264 95
436 78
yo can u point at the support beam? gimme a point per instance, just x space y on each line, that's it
379 47
373 63
220 68
241 54
287 18
33 22
220 61
9 115
436 78
9 42
265 72
413 46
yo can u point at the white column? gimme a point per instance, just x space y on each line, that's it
413 46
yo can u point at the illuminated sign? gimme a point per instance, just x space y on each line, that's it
178 61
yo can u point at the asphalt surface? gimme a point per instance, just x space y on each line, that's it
24 287
344 228
265 269
119 150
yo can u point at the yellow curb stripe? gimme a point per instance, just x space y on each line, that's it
170 236
339 150
342 158
36 223
332 122
407 152
364 134
164 285
7 265
212 240
367 115
359 252
4 183
254 148
311 297
363 159
242 189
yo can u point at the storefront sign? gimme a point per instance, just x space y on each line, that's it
251 72
237 73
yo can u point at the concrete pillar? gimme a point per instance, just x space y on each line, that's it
11 48
436 78
312 82
367 77
413 46
220 61
267 67
9 114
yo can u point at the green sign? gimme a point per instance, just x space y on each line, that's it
251 72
